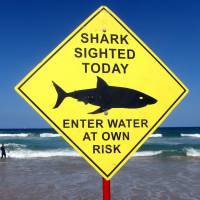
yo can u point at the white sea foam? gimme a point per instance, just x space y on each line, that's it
197 135
15 134
15 145
28 154
147 153
156 135
49 135
41 154
193 152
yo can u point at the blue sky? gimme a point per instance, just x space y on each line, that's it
29 30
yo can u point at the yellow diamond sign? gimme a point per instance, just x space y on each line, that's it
103 90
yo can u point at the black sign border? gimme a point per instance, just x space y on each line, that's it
20 89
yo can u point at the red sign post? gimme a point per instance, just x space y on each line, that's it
106 189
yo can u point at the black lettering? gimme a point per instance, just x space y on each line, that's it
74 123
103 52
84 37
86 137
123 39
96 148
78 52
84 52
116 69
93 135
90 123
112 52
124 67
105 67
116 149
83 122
95 67
66 123
120 135
104 39
99 123
121 123
108 148
126 136
92 53
129 122
121 53
112 123
85 67
94 38
130 54
105 136
136 123
144 122
116 135
114 38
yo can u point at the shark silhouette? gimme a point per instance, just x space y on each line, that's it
106 97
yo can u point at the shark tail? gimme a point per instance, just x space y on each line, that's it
61 94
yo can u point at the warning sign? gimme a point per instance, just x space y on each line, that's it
103 90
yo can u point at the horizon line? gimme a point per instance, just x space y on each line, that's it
53 129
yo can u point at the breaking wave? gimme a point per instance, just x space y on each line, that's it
41 154
197 135
147 153
15 145
28 154
15 134
193 152
156 135
49 135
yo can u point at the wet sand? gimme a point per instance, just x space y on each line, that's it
70 178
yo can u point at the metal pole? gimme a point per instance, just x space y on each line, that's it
106 189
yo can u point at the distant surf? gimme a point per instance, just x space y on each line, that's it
197 135
14 145
15 135
24 153
49 135
42 135
27 154
147 153
44 143
156 135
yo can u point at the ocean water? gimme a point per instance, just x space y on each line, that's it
41 165
43 143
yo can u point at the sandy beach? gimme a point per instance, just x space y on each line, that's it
70 178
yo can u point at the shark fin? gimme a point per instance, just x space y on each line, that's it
101 84
99 110
61 94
